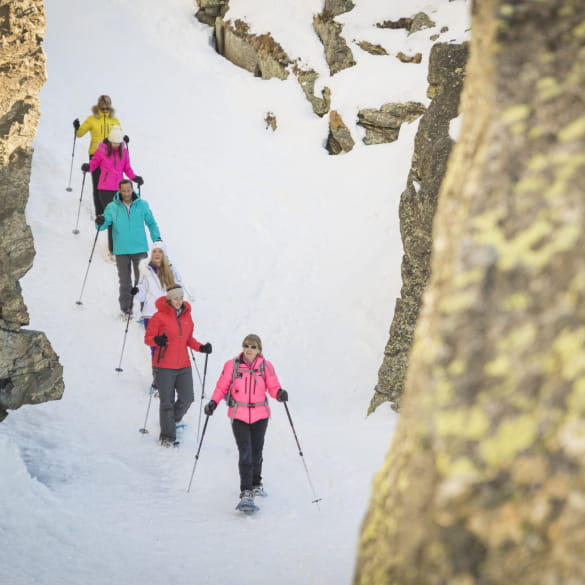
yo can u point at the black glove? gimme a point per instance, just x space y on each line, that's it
85 167
161 339
100 220
138 180
126 138
205 348
282 395
134 290
210 407
76 124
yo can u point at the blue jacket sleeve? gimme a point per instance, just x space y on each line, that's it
151 223
107 217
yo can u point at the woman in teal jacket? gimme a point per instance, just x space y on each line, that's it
128 215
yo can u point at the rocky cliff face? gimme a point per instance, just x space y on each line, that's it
417 209
29 368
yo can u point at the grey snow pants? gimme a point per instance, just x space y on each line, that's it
125 263
172 410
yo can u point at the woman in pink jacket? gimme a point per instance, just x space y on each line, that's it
245 382
113 160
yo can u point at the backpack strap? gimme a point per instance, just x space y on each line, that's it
230 400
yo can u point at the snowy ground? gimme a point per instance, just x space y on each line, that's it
273 236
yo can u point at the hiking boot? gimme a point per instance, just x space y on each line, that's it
247 497
258 491
167 442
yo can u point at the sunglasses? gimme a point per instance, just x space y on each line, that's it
105 109
247 345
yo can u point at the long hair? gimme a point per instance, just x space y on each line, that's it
119 150
164 272
103 101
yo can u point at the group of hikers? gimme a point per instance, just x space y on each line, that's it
157 286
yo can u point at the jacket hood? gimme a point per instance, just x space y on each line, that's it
162 306
117 198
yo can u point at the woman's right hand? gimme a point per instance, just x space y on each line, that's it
210 407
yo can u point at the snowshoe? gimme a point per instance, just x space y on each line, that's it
246 503
165 442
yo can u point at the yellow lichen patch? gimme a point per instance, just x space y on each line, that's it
499 367
535 132
444 392
515 114
463 423
511 438
529 184
522 250
579 30
573 131
461 468
519 339
538 162
568 349
456 368
458 302
548 88
576 400
462 279
516 302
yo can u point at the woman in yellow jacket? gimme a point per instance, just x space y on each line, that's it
98 125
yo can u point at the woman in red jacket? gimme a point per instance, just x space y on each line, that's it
170 332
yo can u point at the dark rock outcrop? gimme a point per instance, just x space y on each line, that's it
339 140
209 10
417 209
29 368
337 54
307 79
371 48
259 54
383 125
337 7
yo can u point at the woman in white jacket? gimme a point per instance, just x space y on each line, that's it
156 275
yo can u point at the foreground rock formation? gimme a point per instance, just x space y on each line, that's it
29 368
485 478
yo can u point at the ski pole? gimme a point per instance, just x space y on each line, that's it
198 450
72 156
119 368
76 230
196 366
316 500
202 390
97 233
144 430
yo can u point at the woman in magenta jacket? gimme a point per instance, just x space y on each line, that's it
170 332
245 381
113 160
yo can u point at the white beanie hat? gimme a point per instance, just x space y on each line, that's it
116 135
160 246
175 292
